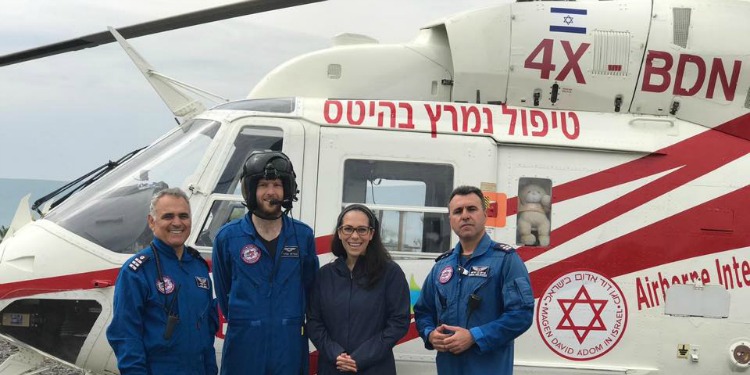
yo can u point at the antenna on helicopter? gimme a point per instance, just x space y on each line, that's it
171 91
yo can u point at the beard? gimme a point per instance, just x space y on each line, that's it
267 211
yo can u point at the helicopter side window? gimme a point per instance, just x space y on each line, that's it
534 217
248 140
223 210
227 201
408 198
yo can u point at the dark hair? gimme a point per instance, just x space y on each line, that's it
375 257
466 190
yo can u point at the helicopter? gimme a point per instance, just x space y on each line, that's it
632 117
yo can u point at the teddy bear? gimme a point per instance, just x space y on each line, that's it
533 207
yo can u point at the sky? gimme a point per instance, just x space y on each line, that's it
67 114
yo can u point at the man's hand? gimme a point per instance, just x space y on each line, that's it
459 341
346 363
438 336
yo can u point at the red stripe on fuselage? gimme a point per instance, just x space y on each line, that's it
695 157
79 281
689 234
411 334
323 244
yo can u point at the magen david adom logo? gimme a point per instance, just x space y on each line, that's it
581 315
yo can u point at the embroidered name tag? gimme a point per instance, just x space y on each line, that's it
290 252
479 271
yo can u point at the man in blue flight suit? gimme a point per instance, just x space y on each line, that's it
264 266
165 318
477 298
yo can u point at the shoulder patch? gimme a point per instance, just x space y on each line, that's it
444 255
504 247
136 263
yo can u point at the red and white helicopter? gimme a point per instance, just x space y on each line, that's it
631 117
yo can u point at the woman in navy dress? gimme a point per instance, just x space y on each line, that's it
359 306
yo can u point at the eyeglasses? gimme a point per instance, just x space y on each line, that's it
349 230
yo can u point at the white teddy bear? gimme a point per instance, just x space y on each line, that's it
533 206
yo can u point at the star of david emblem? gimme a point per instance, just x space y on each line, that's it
568 20
580 330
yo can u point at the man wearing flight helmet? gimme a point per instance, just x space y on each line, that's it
263 265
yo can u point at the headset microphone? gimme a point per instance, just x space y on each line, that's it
275 202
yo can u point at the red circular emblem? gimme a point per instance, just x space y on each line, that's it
250 254
582 315
446 274
166 287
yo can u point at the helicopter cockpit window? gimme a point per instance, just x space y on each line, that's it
408 198
112 212
534 212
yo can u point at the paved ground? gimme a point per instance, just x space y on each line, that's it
6 349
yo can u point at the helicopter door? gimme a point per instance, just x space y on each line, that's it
405 177
225 203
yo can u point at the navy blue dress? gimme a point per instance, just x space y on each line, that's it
344 316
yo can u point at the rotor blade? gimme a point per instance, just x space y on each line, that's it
153 27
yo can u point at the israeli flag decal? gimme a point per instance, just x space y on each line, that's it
568 20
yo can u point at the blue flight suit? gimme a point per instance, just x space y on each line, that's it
264 299
497 275
140 314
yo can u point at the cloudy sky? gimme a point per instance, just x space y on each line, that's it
65 115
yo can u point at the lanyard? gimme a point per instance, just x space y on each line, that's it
168 307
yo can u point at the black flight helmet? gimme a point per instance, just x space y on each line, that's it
270 165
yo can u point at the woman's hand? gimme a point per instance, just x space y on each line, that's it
346 363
